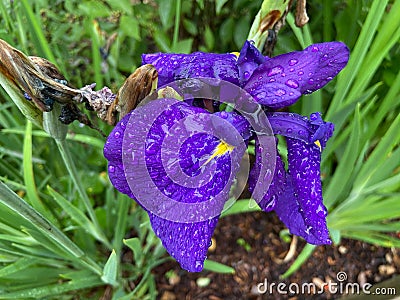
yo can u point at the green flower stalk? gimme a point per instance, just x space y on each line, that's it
270 13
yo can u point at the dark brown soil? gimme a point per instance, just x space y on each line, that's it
262 260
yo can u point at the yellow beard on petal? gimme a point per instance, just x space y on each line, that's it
318 144
220 150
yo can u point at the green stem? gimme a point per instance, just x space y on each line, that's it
18 205
177 22
66 156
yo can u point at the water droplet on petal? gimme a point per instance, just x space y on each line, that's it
117 134
321 211
260 77
246 75
198 264
289 130
275 70
224 114
280 92
300 73
292 83
314 49
310 81
111 169
293 61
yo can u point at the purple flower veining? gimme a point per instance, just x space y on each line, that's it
295 192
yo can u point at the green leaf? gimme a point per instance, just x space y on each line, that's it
240 31
209 38
218 5
183 46
53 289
166 12
136 246
190 26
241 206
130 27
110 270
300 260
342 172
74 212
17 266
94 9
218 267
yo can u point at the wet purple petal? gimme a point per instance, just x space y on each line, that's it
249 59
273 94
301 128
304 172
305 71
173 67
277 185
113 153
186 242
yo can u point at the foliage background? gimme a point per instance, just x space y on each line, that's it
360 165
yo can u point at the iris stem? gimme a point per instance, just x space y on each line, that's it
177 22
66 156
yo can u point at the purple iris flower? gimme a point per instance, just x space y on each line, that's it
295 194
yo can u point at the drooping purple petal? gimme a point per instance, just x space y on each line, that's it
249 59
295 126
277 186
304 71
304 172
113 153
187 242
173 67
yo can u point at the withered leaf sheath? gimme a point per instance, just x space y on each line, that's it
135 88
32 76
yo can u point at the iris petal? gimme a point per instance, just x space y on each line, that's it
277 185
304 172
173 67
305 71
249 59
187 242
295 126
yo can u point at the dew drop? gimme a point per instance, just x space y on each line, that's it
117 134
246 75
275 70
292 83
260 77
292 62
310 81
280 92
111 169
314 49
198 264
321 211
300 73
224 114
289 130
